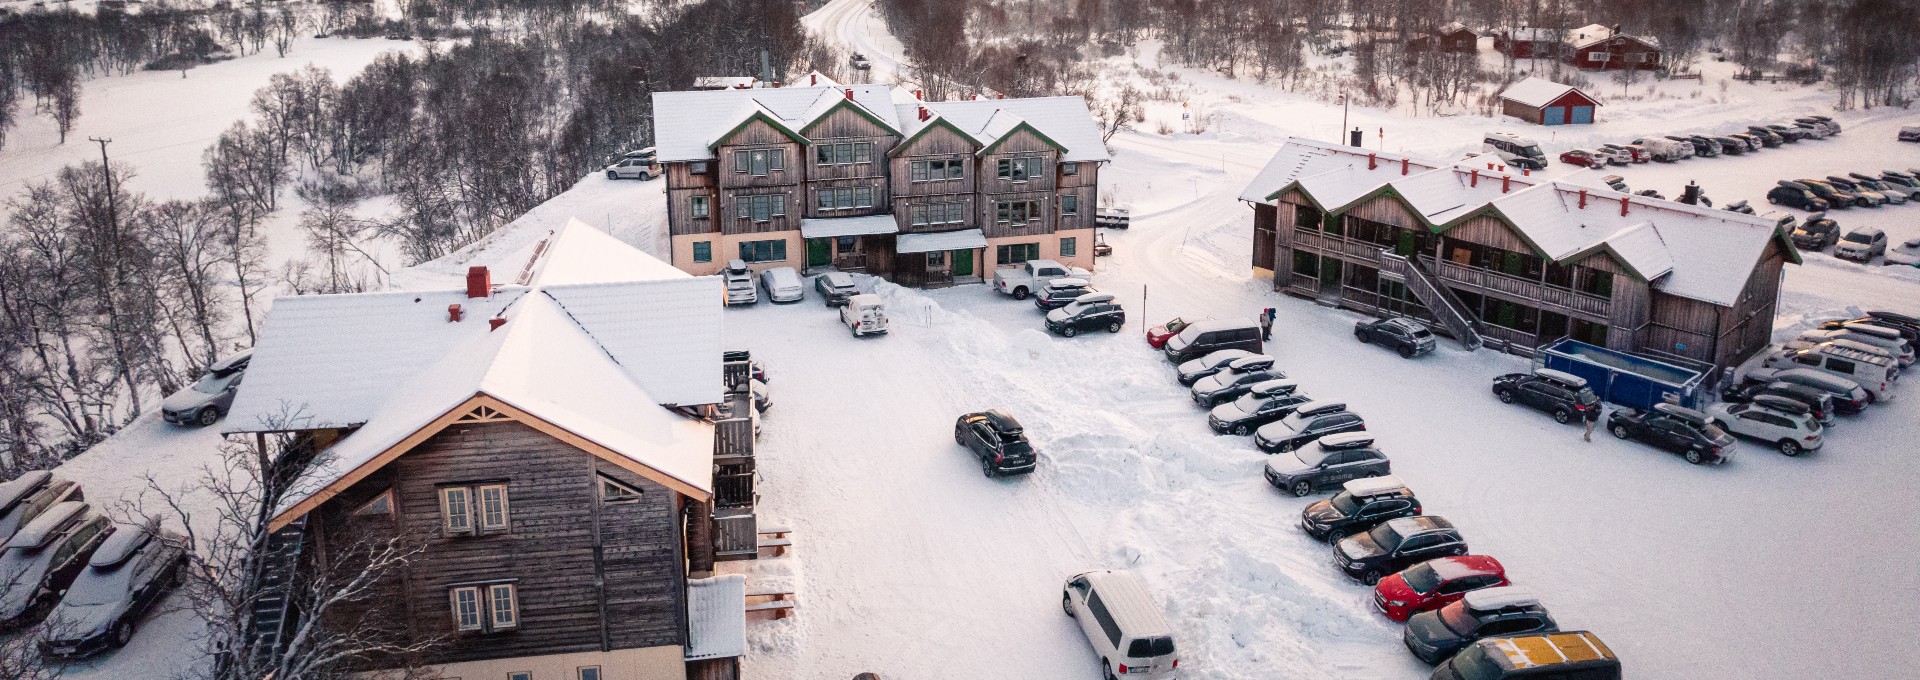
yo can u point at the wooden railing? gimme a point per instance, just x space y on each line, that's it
1306 284
1436 299
849 263
1305 238
1524 289
733 438
735 536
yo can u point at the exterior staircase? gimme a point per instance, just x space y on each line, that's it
273 607
1437 299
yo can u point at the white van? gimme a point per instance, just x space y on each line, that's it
864 314
1666 150
1123 623
782 284
1871 335
1869 366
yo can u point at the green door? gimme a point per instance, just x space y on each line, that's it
963 262
819 252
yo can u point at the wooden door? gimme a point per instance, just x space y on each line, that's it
963 262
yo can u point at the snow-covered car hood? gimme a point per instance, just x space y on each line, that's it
1229 412
1215 382
186 399
70 622
1058 315
1359 546
1285 464
1275 430
1322 512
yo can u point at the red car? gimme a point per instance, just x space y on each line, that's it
1583 158
1158 335
1435 583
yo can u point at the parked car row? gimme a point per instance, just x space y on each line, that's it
1670 148
862 313
83 580
1854 190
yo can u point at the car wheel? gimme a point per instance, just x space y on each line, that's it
1020 293
1406 352
1302 488
645 176
1066 604
1107 670
986 467
208 416
1561 416
122 634
1069 331
1693 456
612 175
1790 448
1240 430
1619 431
1113 327
957 433
1506 396
1361 336
1372 577
1333 537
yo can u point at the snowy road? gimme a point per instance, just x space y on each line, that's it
859 27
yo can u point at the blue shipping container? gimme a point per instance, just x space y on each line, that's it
1625 379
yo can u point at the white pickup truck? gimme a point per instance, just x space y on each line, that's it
1033 275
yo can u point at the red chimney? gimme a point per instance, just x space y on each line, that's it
479 283
1583 199
916 94
923 113
849 93
1506 182
1489 165
813 79
453 313
495 323
1371 164
1403 165
1000 96
1473 179
1623 206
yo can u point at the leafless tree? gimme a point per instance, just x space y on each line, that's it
186 241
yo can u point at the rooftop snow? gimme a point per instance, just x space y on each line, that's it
686 123
1301 157
1539 92
1065 120
945 240
716 617
864 225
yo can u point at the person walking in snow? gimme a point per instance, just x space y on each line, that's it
1592 416
1266 324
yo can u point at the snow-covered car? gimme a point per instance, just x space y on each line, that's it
29 495
860 61
1229 385
835 288
207 399
1634 153
998 440
1128 632
1615 156
1790 133
1677 429
1818 404
1831 126
1436 583
44 557
1730 146
1786 425
1192 371
865 314
1395 545
783 285
1089 311
1817 233
1897 193
1408 337
1157 336
1849 398
1767 137
740 287
1585 158
1507 610
1308 423
1866 334
1033 275
1665 150
642 169
1330 462
1263 404
1909 133
132 570
1874 197
1361 504
1861 245
1895 181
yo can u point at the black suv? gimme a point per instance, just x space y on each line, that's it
1360 505
1093 310
1333 460
1403 335
1507 610
1228 385
998 440
1060 293
1674 428
1253 409
1195 369
1818 233
1796 195
1833 195
1562 394
1309 422
1818 403
1767 137
1396 545
835 288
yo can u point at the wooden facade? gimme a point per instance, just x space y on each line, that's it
1616 52
1572 108
939 142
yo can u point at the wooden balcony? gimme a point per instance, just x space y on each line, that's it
1548 297
1329 244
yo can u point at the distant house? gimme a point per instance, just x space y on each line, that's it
1453 37
1544 102
1599 47
813 79
1529 43
725 82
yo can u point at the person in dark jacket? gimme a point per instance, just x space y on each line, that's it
1591 416
1266 324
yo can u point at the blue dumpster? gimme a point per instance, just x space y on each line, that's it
1625 379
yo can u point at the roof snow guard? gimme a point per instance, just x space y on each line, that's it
581 354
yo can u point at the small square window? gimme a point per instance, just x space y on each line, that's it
1069 205
520 675
697 168
702 251
1069 247
589 673
700 207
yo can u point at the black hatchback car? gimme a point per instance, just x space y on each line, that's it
1395 545
1227 386
1360 505
1796 195
1333 460
131 571
1675 428
1817 233
1060 293
1309 422
1507 610
1403 335
1090 311
1562 394
998 440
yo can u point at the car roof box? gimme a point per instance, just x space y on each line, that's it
1782 404
121 546
43 528
1502 597
1561 377
1374 486
1680 411
1094 298
1069 282
1314 408
1270 388
1347 440
1251 360
1002 420
11 493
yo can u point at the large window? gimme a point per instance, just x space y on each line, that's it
844 153
761 208
1595 282
465 509
939 170
1019 169
759 162
1015 253
845 198
1017 213
485 608
938 213
764 251
1378 233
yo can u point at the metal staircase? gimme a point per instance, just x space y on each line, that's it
1437 299
273 606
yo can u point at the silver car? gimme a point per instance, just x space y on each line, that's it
204 402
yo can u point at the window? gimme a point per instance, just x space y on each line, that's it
380 505
697 168
501 602
847 244
764 251
1306 217
937 258
762 208
759 162
485 608
700 207
616 491
1069 247
844 198
456 509
1105 619
1069 169
465 508
1017 213
845 153
520 675
1015 253
938 170
466 609
589 673
1596 56
1069 205
493 507
1018 169
1305 263
702 251
938 213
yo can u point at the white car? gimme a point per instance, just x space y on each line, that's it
1032 276
642 169
1615 155
1791 430
865 314
1894 346
740 288
1904 254
782 284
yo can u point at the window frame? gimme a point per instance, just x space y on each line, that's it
1069 169
1070 204
465 525
459 616
701 207
1069 246
581 673
512 609
487 523
699 246
366 509
628 492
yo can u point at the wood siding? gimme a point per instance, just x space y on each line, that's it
1020 144
988 214
842 126
1387 209
756 136
1084 185
938 142
1487 230
903 212
589 576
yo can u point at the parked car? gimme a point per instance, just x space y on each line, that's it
1060 293
1308 423
1896 181
1514 150
1796 195
783 285
1814 129
1790 133
998 440
1113 218
1266 402
865 314
860 61
207 399
1033 275
1666 150
835 288
1754 143
1436 583
1909 133
1158 336
1228 385
1212 335
1395 545
1861 245
1785 424
1906 254
1128 633
1562 394
1090 311
1554 656
1584 158
1831 126
1401 334
1634 153
1616 183
1876 325
1730 146
1817 233
44 557
1327 463
1613 156
1702 147
1192 371
1819 404
1849 397
1836 196
1887 339
1675 428
740 287
133 568
1361 504
29 495
1870 367
1437 635
1896 191
1766 136
1874 198
642 169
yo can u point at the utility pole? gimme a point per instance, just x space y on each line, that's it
113 209
118 278
1343 117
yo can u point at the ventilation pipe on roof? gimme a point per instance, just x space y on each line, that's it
479 282
849 93
917 94
813 79
1623 206
1473 178
1506 183
495 323
453 313
923 113
1000 96
1372 161
1525 172
1403 165
1489 165
1583 199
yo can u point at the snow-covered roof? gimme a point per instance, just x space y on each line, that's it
813 79
1299 158
863 225
945 240
1530 34
718 82
1444 195
1590 34
716 617
686 124
1453 27
1065 120
1537 92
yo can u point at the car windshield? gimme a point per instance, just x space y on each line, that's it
1247 403
102 586
1421 578
1385 537
214 384
1311 455
1857 237
1345 503
1474 664
1532 152
1293 422
1458 620
1075 308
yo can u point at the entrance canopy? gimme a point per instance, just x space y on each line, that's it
946 240
864 225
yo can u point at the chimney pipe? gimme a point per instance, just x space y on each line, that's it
813 79
1474 178
1583 199
917 94
1489 165
1000 96
479 282
849 93
1506 183
1403 165
495 323
1623 206
923 113
453 313
1372 161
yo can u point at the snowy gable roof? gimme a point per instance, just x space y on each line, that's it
686 124
1300 158
1537 92
1444 195
813 79
666 334
1530 34
1064 121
